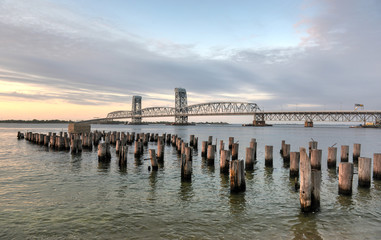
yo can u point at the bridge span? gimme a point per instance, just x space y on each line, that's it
182 111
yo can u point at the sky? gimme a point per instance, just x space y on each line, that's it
80 59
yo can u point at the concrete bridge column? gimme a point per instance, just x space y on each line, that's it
308 123
181 104
259 119
136 109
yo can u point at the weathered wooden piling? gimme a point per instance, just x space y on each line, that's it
52 143
332 155
204 146
309 184
160 150
210 140
249 160
104 152
123 155
345 178
315 194
305 192
186 165
237 176
195 143
224 161
235 149
46 140
268 156
118 146
286 153
356 151
294 164
67 142
377 166
253 145
20 135
183 146
222 146
168 140
364 170
282 145
137 149
210 155
154 163
312 145
60 144
146 139
316 159
344 153
191 140
41 139
231 142
174 140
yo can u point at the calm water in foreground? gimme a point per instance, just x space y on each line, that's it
46 194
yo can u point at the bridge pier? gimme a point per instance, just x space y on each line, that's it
308 123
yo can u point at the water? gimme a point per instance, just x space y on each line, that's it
46 194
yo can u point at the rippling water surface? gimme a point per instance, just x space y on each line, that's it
47 194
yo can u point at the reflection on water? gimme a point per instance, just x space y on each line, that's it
102 199
237 203
138 161
249 174
205 165
224 180
306 227
377 185
345 201
103 166
332 174
186 191
76 163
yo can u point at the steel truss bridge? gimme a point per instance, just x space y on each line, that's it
182 111
204 109
321 116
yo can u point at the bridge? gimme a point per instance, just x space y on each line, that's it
182 111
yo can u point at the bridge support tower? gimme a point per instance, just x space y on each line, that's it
136 110
181 104
308 123
259 120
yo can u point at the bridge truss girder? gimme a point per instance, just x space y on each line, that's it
204 109
321 116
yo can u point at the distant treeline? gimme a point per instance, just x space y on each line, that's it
35 121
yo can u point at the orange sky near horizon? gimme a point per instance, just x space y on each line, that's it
43 110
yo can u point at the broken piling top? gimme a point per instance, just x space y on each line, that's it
79 128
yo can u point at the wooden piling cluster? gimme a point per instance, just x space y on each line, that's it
306 167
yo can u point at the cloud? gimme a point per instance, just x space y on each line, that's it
85 60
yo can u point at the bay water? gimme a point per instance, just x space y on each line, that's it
48 194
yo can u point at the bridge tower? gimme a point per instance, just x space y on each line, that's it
181 104
136 109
